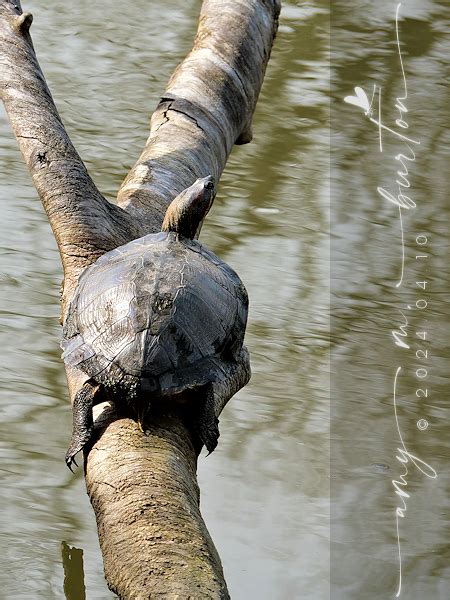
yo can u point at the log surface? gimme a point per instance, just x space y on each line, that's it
143 487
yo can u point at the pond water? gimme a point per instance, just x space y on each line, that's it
266 489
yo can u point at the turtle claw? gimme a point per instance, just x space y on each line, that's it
70 457
69 460
206 424
76 446
210 440
208 432
82 423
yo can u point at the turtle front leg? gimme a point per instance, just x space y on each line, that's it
83 423
233 376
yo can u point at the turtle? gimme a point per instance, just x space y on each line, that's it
155 320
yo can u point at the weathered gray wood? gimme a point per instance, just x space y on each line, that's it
146 499
207 107
143 487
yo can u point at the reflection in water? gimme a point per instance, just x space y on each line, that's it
367 305
72 559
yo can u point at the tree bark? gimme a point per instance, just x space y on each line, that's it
143 487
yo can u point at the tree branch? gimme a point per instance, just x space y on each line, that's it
207 107
84 223
146 499
143 487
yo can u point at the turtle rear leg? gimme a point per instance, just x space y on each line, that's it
206 424
83 423
231 377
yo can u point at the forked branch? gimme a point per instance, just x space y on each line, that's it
143 487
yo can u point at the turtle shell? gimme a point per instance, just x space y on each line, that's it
161 313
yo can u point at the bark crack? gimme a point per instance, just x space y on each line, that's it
190 117
30 137
94 482
164 116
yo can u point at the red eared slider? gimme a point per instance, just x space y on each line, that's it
154 320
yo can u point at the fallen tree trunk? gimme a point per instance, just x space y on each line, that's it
143 487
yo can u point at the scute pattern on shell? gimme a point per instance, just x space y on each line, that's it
160 313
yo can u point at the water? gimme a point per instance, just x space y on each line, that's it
371 298
266 489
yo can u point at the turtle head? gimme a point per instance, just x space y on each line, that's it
186 213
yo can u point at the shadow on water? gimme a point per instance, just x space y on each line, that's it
72 559
369 302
